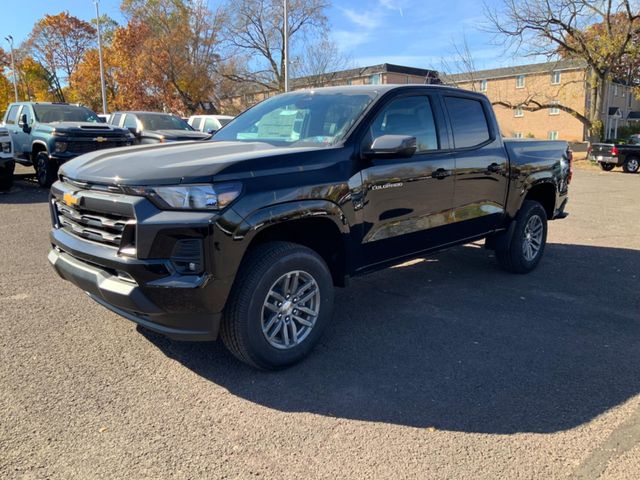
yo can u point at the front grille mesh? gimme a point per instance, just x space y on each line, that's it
99 227
85 147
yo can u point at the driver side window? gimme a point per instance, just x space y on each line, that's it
410 116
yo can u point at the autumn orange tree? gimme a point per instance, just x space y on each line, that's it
59 43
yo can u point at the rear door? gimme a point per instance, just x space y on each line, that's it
22 138
407 201
11 124
482 166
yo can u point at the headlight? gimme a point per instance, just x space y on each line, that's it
191 197
61 147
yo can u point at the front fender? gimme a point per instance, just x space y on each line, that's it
284 212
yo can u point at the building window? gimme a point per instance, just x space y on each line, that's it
556 77
517 135
376 79
519 112
483 85
553 135
554 110
629 99
615 89
520 81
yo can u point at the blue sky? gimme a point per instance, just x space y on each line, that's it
416 33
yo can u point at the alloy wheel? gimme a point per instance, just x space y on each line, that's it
533 233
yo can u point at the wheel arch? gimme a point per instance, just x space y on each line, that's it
316 224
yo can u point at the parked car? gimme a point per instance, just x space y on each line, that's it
611 155
245 236
45 135
209 123
155 127
104 117
7 164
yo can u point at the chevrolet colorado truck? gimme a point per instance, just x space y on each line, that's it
245 236
611 155
45 135
7 163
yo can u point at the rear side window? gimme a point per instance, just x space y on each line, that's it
115 119
196 123
12 116
468 122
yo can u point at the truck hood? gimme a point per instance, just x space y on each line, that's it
175 135
79 128
166 164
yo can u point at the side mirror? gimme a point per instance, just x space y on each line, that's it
211 131
392 146
134 131
22 123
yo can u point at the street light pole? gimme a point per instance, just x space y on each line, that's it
13 67
102 85
286 46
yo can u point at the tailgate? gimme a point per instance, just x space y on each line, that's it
601 149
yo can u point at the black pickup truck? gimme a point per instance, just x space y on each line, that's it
45 135
247 235
611 155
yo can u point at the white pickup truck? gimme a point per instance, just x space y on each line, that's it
7 163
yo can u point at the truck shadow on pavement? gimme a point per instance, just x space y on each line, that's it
456 344
25 190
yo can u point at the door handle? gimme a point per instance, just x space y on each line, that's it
494 168
440 173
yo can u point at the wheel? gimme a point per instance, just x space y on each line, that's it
607 167
523 251
279 306
6 175
46 170
631 165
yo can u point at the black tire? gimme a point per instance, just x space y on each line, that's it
511 253
6 175
241 329
631 165
607 167
46 170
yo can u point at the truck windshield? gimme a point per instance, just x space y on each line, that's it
49 113
304 118
154 121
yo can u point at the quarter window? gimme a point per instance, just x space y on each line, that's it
468 121
410 116
12 115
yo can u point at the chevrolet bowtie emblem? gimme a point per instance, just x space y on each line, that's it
101 139
70 199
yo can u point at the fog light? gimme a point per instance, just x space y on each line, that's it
61 147
187 256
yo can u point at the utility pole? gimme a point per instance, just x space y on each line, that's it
13 67
286 46
102 86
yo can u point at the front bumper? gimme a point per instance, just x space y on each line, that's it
131 301
146 286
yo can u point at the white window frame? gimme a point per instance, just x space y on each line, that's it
520 81
377 77
553 135
554 110
483 85
556 77
517 135
518 112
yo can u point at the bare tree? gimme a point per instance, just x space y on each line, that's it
255 32
319 64
460 66
565 28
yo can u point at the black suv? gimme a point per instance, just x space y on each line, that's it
45 135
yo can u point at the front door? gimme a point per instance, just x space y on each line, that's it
407 201
22 133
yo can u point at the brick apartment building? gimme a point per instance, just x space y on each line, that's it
562 81
385 73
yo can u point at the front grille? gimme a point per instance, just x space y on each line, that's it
91 146
99 227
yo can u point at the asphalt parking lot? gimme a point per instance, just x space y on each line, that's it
445 368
